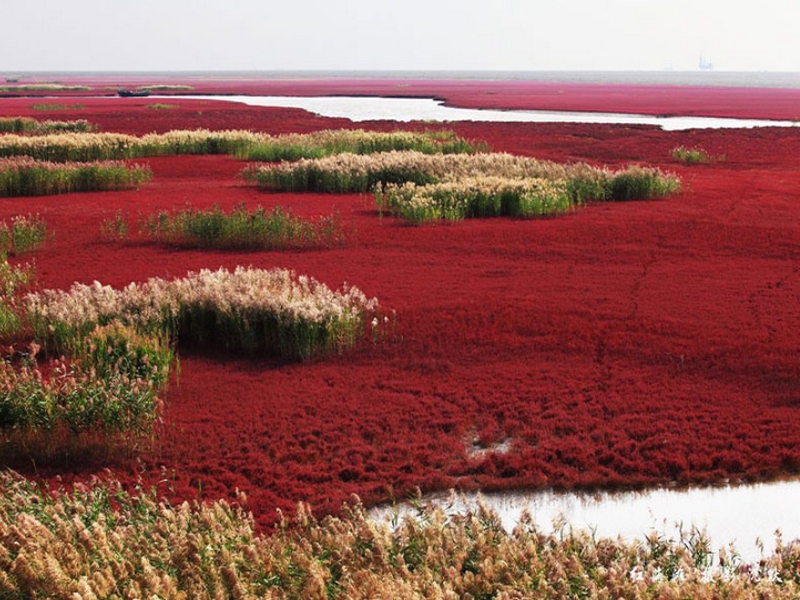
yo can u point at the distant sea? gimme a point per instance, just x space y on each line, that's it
771 79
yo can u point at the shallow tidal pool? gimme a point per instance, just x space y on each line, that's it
746 516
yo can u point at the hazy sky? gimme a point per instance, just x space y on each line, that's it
398 34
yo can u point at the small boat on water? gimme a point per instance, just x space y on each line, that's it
125 93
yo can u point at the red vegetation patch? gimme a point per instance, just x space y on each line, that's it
622 345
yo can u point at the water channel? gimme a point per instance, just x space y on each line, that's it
739 515
373 108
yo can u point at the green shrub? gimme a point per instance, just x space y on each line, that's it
259 229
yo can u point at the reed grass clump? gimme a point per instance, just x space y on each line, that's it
690 154
245 144
52 107
66 147
109 394
483 196
330 142
251 310
351 173
164 87
44 87
96 540
422 187
15 282
26 233
641 183
241 229
22 176
28 125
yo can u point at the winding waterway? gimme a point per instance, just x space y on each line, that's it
373 108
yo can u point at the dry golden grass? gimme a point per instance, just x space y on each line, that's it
97 541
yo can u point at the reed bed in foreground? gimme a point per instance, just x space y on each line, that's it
97 541
239 229
34 127
22 176
246 144
272 311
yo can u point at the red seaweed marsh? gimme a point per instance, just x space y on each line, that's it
620 345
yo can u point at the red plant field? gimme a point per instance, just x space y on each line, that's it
625 344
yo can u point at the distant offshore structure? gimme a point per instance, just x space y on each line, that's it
705 64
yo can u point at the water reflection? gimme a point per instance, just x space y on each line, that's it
370 108
732 514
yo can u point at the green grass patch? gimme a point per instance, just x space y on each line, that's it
484 196
57 107
165 87
116 228
162 106
691 155
238 229
24 234
641 183
15 282
23 176
27 125
43 87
